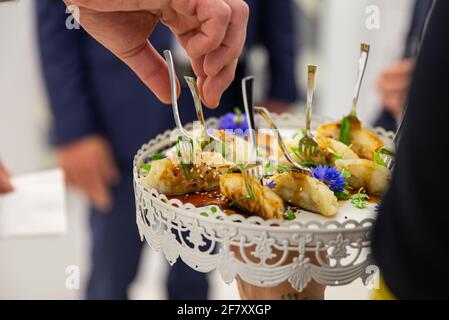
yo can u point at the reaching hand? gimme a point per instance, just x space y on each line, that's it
89 167
211 31
5 183
393 85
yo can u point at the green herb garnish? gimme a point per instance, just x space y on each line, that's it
345 130
345 174
305 162
184 167
282 168
145 166
269 168
250 196
238 116
342 195
308 163
360 200
158 156
289 214
234 202
335 154
378 159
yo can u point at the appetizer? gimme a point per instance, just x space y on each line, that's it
362 141
306 192
251 196
366 174
345 167
329 150
169 177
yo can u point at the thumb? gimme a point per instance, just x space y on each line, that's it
152 69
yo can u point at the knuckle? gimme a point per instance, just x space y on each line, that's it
223 14
243 9
234 52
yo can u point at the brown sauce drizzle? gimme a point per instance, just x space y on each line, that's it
208 198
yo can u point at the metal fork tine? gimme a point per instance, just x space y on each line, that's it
248 103
267 117
308 143
185 146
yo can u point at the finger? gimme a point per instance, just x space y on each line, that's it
213 87
5 182
119 5
97 191
233 42
197 67
71 178
108 169
399 83
403 68
214 17
149 66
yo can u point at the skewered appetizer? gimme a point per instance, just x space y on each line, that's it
362 141
306 192
251 196
339 173
366 174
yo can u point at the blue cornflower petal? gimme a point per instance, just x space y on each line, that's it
330 176
271 185
232 121
377 207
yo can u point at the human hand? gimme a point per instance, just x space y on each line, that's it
5 183
393 85
211 31
89 167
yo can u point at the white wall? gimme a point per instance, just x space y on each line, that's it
342 30
31 267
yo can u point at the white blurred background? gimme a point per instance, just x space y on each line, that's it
34 268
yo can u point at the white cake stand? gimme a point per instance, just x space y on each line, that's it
332 251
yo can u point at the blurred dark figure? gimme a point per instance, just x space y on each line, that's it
103 114
394 81
410 238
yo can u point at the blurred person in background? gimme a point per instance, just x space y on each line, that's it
394 81
103 113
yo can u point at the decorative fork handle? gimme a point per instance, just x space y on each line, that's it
248 104
364 52
311 73
174 93
269 120
191 82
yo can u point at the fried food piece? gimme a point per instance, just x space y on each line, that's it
168 177
329 150
306 192
234 148
366 174
332 147
363 141
255 199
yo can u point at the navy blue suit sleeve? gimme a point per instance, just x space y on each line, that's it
62 66
279 37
